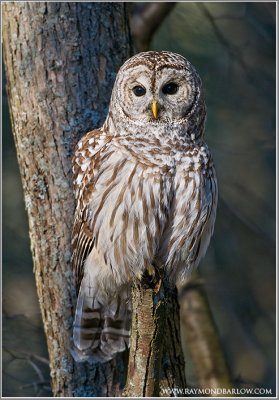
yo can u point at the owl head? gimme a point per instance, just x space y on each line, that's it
158 88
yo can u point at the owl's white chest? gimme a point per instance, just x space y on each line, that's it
144 214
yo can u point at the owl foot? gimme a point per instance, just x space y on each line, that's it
151 271
151 278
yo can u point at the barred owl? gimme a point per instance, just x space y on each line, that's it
146 195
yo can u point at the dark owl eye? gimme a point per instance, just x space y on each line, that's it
170 88
139 91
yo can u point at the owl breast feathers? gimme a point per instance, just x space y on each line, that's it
146 195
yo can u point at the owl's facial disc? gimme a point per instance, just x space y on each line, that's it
155 96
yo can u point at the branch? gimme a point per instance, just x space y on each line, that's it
173 365
30 358
156 360
26 355
146 344
233 51
145 19
202 337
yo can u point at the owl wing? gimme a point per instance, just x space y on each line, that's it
82 244
102 320
206 218
86 163
193 223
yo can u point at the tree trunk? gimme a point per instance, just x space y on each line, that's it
61 60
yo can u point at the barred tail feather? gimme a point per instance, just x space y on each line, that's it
117 324
101 325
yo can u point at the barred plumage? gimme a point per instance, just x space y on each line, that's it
146 194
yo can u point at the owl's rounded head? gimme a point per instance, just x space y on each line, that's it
157 87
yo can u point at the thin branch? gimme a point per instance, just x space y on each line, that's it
37 370
38 386
145 19
29 357
24 355
234 51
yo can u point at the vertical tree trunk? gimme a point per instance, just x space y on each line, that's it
61 60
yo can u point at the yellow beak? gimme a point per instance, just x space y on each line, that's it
154 108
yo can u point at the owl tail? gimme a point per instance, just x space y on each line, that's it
102 323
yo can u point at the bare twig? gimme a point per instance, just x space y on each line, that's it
145 19
29 358
38 386
25 355
233 51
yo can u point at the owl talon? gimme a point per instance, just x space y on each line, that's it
151 271
151 278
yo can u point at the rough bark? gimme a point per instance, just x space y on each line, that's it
156 363
173 365
61 60
146 344
202 337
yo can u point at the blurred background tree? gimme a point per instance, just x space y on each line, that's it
232 45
